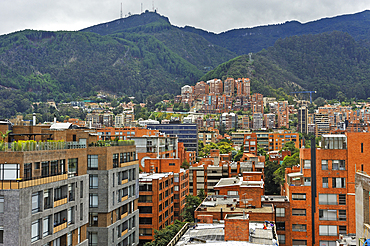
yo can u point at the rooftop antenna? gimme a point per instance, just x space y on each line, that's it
121 10
141 7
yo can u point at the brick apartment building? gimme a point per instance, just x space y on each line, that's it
321 189
156 203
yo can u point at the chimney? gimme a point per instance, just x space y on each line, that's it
34 119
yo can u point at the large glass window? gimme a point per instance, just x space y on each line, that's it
281 238
339 165
94 181
46 226
280 212
35 202
325 182
54 167
327 214
93 200
35 231
93 239
339 182
92 162
328 230
44 168
324 164
27 171
307 164
72 166
280 225
328 199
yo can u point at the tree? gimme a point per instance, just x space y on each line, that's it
289 161
164 236
192 202
270 186
201 194
185 164
4 135
224 147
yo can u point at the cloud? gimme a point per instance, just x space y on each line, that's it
212 15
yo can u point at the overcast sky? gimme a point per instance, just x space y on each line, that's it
212 15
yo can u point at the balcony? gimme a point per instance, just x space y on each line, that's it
60 202
124 181
20 184
31 145
124 215
130 163
124 232
124 198
102 143
59 227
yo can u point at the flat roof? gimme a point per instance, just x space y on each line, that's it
151 176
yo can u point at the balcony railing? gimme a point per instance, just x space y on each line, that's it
60 227
30 145
20 184
102 143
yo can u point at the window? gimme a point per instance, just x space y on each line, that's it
342 215
280 225
307 181
93 239
145 209
45 169
307 164
69 239
172 164
35 234
280 212
299 227
35 202
92 162
232 192
145 221
46 227
297 242
281 238
81 211
115 160
342 199
79 235
298 196
72 166
325 182
70 215
327 214
339 182
93 181
145 198
93 200
328 230
362 147
81 189
37 165
343 230
54 167
324 164
298 212
93 219
328 243
27 171
339 165
1 234
328 199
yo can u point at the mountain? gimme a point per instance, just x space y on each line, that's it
245 40
332 64
144 55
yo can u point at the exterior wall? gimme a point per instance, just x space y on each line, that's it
233 227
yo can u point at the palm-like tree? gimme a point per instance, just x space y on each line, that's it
4 135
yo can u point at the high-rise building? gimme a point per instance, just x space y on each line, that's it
302 120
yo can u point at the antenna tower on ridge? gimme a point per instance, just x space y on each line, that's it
141 7
121 10
153 5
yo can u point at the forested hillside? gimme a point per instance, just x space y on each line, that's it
333 64
244 40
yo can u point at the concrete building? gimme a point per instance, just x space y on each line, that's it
257 121
302 120
126 118
362 207
269 121
69 193
186 133
229 85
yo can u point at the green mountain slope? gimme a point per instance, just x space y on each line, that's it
244 40
328 63
54 64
